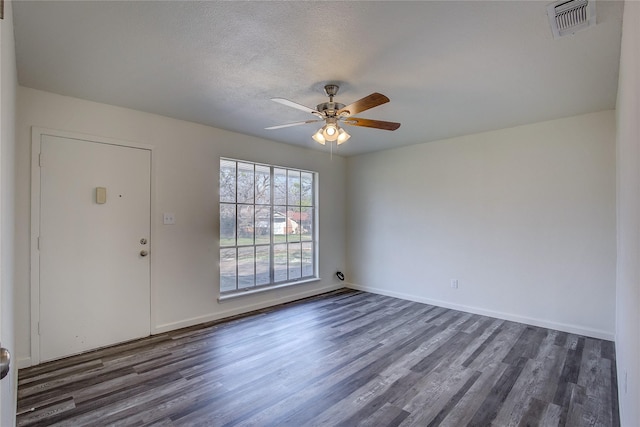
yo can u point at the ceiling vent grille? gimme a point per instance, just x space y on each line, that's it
567 17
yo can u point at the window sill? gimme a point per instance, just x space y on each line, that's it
237 294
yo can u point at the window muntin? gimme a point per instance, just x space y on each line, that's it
267 225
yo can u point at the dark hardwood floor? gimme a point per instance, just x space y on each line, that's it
345 358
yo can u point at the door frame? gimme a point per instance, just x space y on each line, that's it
36 141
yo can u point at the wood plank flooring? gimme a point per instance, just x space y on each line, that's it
346 358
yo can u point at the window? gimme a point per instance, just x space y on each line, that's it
267 225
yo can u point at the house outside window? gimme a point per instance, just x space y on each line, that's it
268 232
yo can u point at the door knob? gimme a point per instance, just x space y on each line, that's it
144 253
5 360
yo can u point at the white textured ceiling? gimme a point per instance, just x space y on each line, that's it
449 68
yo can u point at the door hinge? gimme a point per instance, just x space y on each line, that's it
38 242
38 327
40 162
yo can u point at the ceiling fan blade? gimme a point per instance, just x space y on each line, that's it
378 124
295 105
292 124
364 104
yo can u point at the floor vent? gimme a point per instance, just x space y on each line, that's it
568 17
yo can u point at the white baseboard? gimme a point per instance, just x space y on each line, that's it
166 327
573 329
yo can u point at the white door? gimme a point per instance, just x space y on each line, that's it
94 263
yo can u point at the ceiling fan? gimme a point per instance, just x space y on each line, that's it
333 113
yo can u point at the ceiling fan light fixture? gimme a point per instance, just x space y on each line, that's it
330 132
342 136
317 137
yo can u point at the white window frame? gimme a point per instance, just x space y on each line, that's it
273 284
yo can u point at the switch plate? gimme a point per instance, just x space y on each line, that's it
454 283
168 218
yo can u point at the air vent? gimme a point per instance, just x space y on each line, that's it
567 17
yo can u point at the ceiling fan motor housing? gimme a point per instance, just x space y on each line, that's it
330 109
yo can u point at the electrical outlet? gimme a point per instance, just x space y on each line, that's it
169 218
454 283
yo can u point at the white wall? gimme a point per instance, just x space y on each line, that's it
186 158
8 85
628 176
523 218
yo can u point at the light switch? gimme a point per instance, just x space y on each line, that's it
101 195
169 218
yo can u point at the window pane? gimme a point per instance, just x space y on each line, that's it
227 270
246 264
293 188
279 186
280 263
245 183
306 223
263 185
245 225
295 261
263 225
279 224
293 230
307 259
227 181
227 224
306 189
263 265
